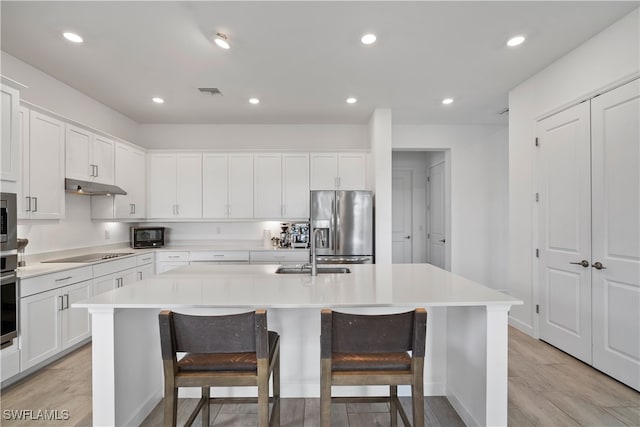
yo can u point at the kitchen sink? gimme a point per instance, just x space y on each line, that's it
307 270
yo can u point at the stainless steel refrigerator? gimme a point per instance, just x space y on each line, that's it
345 219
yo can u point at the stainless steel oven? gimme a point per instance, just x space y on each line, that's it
8 300
8 223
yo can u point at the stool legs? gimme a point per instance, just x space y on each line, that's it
205 407
393 396
325 392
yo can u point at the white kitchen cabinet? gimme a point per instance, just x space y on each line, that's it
295 185
227 189
130 175
10 142
267 185
218 257
168 260
114 280
338 171
41 192
48 324
146 266
281 185
114 274
282 257
89 157
175 185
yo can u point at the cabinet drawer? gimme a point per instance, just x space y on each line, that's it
219 256
110 267
173 256
47 282
280 256
145 259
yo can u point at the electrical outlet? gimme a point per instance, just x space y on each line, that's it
106 234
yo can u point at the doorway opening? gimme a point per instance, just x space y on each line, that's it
421 199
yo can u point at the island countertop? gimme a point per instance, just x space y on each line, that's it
371 285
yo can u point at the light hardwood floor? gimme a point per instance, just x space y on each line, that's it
547 388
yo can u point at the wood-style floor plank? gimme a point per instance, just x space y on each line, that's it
546 388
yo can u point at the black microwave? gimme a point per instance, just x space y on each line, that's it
147 237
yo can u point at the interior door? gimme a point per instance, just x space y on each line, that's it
401 217
616 232
564 272
437 225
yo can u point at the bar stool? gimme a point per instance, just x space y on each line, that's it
373 350
222 351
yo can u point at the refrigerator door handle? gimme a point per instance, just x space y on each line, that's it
332 226
337 216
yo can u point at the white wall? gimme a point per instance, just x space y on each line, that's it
380 134
47 92
75 231
609 57
416 162
477 164
254 137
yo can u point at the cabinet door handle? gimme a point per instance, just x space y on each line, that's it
91 170
60 303
177 209
97 170
139 275
28 203
35 204
66 301
134 207
63 278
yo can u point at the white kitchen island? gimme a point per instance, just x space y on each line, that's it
466 355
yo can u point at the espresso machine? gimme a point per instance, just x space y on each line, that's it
294 235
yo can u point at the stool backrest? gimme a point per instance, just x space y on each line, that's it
356 333
235 333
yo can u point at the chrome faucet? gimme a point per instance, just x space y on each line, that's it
314 261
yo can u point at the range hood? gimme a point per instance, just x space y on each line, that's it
91 188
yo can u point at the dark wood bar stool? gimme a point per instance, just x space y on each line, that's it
222 351
373 350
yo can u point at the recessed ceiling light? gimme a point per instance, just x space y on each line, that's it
447 101
254 101
72 37
222 40
158 100
515 41
368 39
351 100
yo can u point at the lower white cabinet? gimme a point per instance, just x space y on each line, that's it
168 260
146 266
282 257
49 325
114 280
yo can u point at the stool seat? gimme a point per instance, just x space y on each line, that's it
399 361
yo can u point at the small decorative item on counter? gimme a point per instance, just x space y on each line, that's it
22 243
275 242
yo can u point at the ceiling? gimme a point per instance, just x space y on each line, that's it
301 59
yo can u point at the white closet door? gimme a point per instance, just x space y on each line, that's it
616 233
565 231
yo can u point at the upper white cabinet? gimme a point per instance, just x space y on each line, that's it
227 189
89 157
10 142
175 185
130 167
41 192
281 185
338 171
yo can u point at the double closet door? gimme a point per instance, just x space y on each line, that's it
589 232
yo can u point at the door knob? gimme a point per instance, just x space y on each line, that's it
598 266
407 237
583 263
443 241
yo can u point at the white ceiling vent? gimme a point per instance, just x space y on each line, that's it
213 91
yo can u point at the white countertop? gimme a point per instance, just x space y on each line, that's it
252 286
